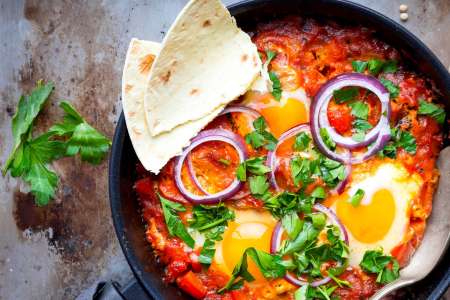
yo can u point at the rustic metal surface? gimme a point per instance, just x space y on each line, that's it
62 250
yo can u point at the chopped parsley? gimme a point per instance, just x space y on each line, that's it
260 136
255 166
224 161
359 66
302 141
259 186
276 86
173 222
270 55
386 267
399 139
360 110
375 66
327 139
345 95
355 200
393 89
431 109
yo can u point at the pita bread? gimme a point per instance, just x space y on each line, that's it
153 152
205 62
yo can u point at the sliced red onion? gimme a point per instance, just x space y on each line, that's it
319 117
241 109
272 157
208 136
275 244
340 187
193 175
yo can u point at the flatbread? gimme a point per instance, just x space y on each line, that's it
206 62
153 152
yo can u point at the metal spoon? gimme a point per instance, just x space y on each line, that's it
436 238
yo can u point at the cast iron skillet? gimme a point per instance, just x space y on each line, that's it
126 215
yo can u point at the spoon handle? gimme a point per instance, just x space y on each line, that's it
387 289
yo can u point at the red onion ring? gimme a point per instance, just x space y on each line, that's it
193 175
207 136
277 235
319 117
340 187
241 109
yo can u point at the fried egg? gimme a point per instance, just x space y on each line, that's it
291 110
382 217
249 229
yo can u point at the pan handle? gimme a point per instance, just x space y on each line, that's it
112 290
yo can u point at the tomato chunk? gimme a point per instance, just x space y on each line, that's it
191 284
340 117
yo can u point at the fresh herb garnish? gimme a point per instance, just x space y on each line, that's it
205 217
431 109
319 193
302 170
276 86
307 292
174 225
30 156
345 95
270 55
393 89
387 267
284 203
208 250
360 110
357 197
255 166
259 186
271 266
390 66
224 161
327 139
359 66
374 66
402 139
82 138
302 141
292 224
260 136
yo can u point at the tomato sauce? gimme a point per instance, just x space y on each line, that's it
309 53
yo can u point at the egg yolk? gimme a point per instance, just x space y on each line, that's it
243 234
283 117
368 223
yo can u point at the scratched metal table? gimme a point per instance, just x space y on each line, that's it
63 250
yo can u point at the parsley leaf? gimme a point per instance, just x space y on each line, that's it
271 266
374 66
345 95
224 161
258 186
431 109
393 89
302 141
357 197
359 66
270 55
284 203
319 192
276 86
205 217
309 233
360 109
83 138
173 221
387 267
361 125
260 137
390 66
292 224
28 108
255 165
327 139
399 138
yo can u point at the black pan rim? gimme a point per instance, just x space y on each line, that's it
120 134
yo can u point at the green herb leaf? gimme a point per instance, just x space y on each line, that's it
393 89
319 192
258 186
399 138
309 233
302 141
27 110
83 138
431 109
207 253
327 139
255 165
270 55
276 86
260 137
173 221
205 217
357 197
292 224
271 266
390 66
361 125
302 293
375 66
360 110
224 161
345 95
318 220
387 268
359 66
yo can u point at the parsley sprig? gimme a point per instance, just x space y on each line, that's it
260 136
386 267
30 157
431 109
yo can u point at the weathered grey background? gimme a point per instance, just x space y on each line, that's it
60 251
